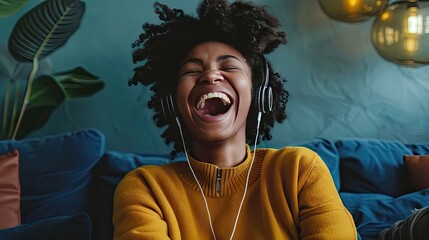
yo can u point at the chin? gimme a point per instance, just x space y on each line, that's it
218 136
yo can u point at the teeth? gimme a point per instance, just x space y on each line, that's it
222 96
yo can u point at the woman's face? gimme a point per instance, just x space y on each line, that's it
214 92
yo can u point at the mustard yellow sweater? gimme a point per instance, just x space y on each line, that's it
291 195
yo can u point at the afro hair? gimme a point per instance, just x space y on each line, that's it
160 49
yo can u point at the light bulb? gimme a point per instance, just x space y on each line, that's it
352 10
401 33
352 5
414 24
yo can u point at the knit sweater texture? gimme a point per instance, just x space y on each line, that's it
291 195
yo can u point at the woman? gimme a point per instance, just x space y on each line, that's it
214 90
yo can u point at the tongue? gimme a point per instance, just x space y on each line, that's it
213 107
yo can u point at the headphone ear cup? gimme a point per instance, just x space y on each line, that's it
268 96
167 107
264 99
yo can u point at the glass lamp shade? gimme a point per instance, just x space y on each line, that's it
401 33
352 10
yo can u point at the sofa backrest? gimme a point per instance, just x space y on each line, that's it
376 166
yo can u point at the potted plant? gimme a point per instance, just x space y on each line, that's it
28 103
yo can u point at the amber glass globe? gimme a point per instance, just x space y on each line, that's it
352 10
401 33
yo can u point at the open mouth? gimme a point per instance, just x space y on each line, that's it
213 104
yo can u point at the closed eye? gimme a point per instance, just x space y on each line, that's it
228 69
191 73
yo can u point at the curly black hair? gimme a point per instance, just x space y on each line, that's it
162 47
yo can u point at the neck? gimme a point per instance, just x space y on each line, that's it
222 154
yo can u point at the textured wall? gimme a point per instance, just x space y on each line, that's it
339 86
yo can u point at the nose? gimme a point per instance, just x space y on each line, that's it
211 77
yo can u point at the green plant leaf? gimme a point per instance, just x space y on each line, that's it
44 29
78 82
46 92
46 96
34 119
50 91
9 7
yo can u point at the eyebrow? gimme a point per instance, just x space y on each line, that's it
219 59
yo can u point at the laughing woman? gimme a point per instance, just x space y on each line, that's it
213 91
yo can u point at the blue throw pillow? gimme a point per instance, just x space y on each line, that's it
109 172
376 166
329 153
374 212
73 227
55 172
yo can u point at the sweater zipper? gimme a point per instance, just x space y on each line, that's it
218 178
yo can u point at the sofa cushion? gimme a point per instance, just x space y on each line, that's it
109 172
418 170
55 172
374 212
9 190
73 227
329 153
375 166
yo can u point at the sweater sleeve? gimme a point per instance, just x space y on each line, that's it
136 215
322 213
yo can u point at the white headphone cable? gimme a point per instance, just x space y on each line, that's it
201 189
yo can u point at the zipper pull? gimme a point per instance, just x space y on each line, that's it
218 178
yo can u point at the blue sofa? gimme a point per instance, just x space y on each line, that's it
68 180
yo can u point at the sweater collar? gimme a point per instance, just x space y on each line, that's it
220 182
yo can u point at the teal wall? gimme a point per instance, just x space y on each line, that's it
339 86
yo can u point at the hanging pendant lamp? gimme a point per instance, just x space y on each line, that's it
401 33
352 10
